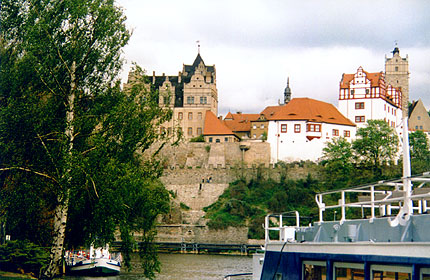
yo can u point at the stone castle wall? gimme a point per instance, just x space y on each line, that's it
198 173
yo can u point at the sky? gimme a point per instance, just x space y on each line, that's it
256 44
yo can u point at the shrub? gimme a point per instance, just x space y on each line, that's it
199 138
19 256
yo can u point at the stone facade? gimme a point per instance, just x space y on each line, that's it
397 75
189 94
419 118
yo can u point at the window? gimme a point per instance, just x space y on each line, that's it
359 105
419 117
367 91
388 272
199 115
335 132
396 68
225 139
254 126
166 99
199 131
346 133
283 128
262 126
421 127
190 116
203 100
210 139
359 119
313 270
190 131
180 115
217 140
348 271
314 128
190 99
254 136
352 91
297 128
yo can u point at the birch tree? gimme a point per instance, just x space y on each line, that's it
67 129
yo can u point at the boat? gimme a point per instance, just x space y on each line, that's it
382 232
93 262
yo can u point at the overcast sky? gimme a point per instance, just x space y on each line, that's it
256 44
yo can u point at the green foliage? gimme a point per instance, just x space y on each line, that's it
420 153
246 204
184 206
264 136
23 256
208 148
68 133
199 138
338 162
376 144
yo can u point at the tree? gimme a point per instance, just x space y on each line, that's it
376 144
420 153
69 134
338 162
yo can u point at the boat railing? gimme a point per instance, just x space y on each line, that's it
277 226
405 196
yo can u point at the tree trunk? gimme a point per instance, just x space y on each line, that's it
61 211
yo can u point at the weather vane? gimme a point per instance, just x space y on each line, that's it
198 46
395 43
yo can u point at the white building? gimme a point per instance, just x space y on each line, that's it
300 129
365 96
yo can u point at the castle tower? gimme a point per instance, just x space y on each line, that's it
287 92
397 75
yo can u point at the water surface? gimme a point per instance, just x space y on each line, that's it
186 266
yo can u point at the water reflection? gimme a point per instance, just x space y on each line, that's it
186 266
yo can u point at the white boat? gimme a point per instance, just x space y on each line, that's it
95 262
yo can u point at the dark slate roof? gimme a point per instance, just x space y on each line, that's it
179 93
190 69
412 107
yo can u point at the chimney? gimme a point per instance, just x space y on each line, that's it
179 77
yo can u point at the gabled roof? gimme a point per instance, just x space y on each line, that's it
375 78
214 126
310 110
411 107
190 69
240 122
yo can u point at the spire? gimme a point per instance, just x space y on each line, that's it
198 46
287 92
396 49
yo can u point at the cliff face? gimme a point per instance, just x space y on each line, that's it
198 173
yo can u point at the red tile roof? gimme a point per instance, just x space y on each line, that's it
214 126
240 122
310 110
270 110
375 78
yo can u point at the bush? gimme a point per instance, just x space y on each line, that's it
199 138
23 256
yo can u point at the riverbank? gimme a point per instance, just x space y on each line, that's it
5 275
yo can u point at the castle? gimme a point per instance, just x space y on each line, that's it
293 124
189 94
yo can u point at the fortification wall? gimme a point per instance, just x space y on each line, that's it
198 173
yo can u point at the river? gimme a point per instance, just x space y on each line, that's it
186 266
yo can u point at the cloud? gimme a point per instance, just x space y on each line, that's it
256 45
